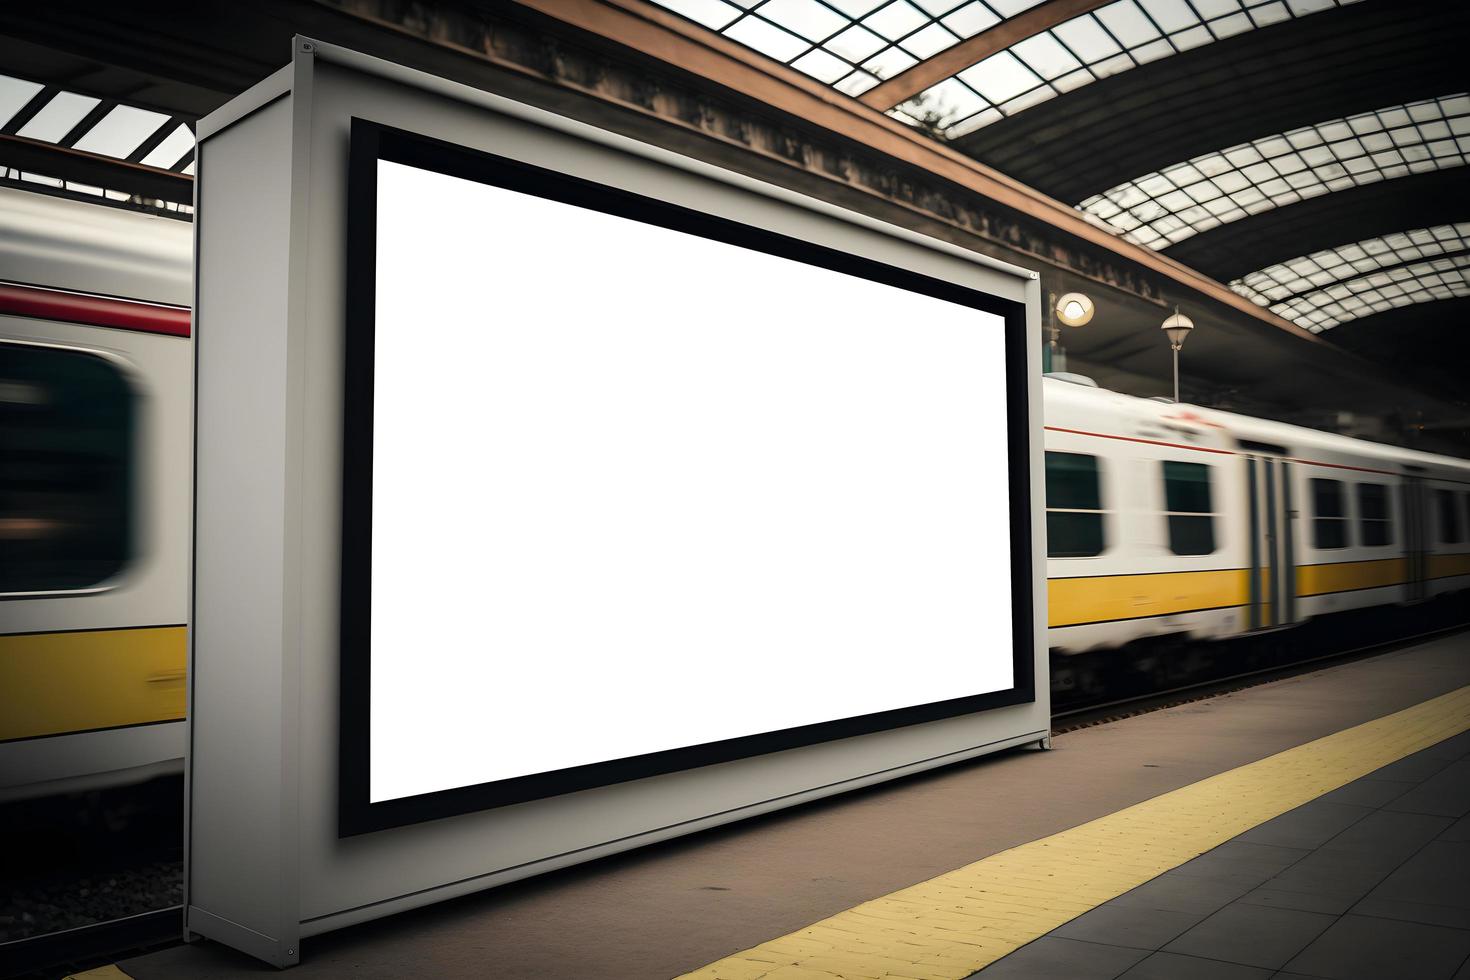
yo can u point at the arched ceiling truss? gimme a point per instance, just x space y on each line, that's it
955 66
1330 287
1164 208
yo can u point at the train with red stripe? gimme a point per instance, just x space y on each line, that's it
95 451
1167 521
1163 521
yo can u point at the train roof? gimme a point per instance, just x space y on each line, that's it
1129 415
94 248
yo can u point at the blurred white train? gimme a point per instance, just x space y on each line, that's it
95 406
1162 519
1171 519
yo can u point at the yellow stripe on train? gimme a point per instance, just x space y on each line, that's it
52 683
1348 576
1103 598
1447 566
1109 598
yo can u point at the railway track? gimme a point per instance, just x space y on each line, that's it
57 954
1088 714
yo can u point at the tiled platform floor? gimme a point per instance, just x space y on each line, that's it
664 910
1370 882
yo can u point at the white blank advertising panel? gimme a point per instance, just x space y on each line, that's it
634 490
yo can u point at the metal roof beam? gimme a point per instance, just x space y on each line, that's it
50 160
1241 247
1272 80
953 60
682 45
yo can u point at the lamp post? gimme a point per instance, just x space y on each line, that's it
1073 309
1176 328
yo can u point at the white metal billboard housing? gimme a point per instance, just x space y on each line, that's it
556 494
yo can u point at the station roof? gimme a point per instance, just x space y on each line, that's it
86 131
1270 144
1307 154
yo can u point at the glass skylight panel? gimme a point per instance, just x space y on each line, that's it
897 20
15 93
1115 38
1010 8
936 7
928 41
1181 201
767 38
1000 77
121 131
970 19
806 18
850 8
168 153
118 132
1321 290
822 66
713 14
57 117
854 45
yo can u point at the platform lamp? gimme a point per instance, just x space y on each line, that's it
1072 309
1176 328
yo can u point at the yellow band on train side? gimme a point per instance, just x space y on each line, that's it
1105 598
1448 566
53 683
1348 576
1111 598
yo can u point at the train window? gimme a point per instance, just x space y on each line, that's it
1187 504
66 459
1329 515
1074 514
1450 531
1374 517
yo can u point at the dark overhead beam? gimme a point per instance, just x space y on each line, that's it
35 157
178 58
1340 218
1013 30
1319 67
1426 340
1412 329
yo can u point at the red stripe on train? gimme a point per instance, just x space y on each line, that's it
97 311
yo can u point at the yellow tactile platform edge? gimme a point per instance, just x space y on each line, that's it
109 972
950 926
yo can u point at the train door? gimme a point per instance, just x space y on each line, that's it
1271 516
1416 539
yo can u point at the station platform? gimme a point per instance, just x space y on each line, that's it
1316 826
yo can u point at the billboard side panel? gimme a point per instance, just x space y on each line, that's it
239 838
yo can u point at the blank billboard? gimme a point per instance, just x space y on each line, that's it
631 489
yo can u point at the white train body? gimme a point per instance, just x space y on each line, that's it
92 637
1300 522
92 672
